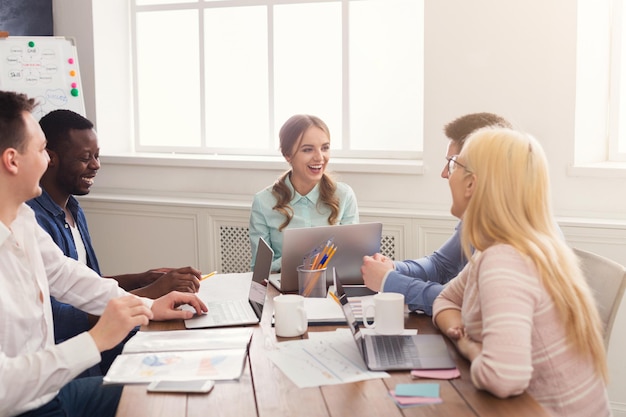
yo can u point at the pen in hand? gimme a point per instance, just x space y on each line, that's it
209 275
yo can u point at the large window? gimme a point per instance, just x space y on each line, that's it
601 84
220 77
617 106
593 84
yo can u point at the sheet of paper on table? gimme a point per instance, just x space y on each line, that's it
326 358
143 368
175 355
181 340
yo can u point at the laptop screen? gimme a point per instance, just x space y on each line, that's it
347 312
262 267
353 241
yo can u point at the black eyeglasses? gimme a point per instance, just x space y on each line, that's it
452 163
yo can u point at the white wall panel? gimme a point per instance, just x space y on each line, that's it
134 238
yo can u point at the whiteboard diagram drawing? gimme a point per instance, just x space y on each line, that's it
44 68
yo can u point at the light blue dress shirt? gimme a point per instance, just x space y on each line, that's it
421 280
265 221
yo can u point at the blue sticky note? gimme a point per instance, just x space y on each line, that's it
417 390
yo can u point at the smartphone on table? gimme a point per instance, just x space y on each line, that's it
199 386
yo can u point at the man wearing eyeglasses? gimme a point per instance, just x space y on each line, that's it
421 280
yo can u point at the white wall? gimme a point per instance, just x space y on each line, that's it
515 58
505 56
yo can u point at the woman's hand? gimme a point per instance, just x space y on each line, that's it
465 344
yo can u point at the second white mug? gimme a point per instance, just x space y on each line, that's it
289 315
388 313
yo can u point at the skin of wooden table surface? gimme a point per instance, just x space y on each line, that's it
264 391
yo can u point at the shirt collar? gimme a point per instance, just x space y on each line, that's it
5 231
53 208
312 196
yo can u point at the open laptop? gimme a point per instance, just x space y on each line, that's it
353 241
401 352
240 312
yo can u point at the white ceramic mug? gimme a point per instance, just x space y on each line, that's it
388 313
289 315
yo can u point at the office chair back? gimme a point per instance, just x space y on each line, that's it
607 280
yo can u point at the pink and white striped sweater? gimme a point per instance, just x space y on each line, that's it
504 305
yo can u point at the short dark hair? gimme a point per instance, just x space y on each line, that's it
57 124
12 126
460 128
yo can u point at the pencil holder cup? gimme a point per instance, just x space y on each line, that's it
311 282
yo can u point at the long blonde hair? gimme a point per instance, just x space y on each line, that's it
511 205
290 136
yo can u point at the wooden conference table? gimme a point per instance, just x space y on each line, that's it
264 391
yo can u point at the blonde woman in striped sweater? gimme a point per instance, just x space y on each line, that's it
521 310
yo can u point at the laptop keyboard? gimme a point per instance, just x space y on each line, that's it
229 312
394 350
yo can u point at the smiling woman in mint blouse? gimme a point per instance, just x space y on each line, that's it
305 195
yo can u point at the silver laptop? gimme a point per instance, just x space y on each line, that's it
401 352
240 312
353 241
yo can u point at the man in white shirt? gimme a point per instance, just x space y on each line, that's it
35 374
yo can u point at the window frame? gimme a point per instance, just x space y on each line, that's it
414 158
617 90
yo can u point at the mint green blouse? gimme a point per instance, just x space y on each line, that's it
265 221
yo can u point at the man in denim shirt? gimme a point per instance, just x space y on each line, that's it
74 163
421 280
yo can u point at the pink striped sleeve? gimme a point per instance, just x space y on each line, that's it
507 294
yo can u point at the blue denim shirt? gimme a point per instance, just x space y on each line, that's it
68 321
51 217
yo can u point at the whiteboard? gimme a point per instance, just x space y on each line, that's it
44 68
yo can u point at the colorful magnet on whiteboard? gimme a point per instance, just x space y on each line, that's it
74 92
31 44
71 60
72 73
74 85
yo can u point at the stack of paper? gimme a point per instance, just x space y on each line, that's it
328 311
216 354
406 395
207 339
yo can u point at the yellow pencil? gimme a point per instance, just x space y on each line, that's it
320 258
331 254
332 294
209 275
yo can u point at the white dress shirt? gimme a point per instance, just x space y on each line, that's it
32 267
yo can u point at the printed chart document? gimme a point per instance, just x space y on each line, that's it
328 311
217 354
143 368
